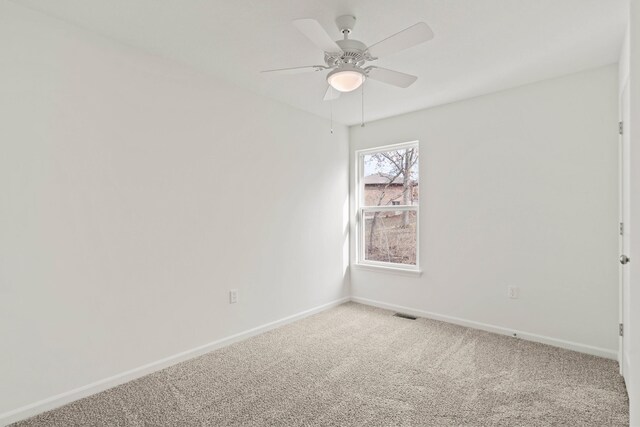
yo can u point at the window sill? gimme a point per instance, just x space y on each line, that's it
388 269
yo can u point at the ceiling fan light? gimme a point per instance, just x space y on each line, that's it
346 80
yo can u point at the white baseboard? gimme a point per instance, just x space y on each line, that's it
626 369
569 345
107 383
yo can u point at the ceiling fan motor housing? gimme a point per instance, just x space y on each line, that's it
353 53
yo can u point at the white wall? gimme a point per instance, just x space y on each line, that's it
133 194
517 188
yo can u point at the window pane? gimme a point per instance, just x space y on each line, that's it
390 236
391 178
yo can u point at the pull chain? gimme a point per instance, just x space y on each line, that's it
362 106
331 110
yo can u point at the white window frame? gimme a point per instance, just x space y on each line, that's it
361 209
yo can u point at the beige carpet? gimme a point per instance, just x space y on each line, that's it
358 365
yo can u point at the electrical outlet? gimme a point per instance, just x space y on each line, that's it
514 292
233 296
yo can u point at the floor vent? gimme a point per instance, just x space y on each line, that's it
405 316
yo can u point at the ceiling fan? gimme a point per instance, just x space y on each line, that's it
347 58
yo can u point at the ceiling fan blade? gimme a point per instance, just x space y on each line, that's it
314 31
296 70
331 94
416 34
395 78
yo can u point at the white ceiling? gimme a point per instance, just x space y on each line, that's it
480 46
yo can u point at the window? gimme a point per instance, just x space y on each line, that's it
387 206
